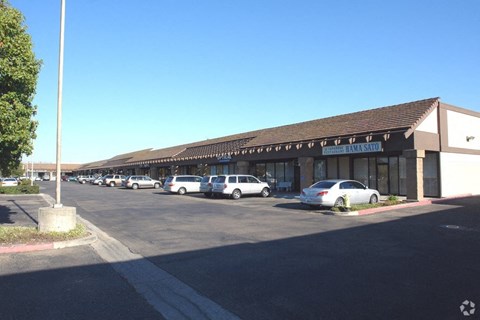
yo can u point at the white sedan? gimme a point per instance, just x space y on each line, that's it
8 182
331 193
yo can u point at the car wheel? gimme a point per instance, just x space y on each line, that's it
339 202
156 185
135 186
373 198
83 181
112 184
182 191
236 194
99 183
265 192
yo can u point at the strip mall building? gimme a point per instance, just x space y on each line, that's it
418 149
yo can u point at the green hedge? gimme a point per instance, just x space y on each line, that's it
23 188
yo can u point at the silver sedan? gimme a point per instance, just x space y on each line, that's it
331 193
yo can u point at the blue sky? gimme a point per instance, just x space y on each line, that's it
159 73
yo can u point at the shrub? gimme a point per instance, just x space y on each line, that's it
23 188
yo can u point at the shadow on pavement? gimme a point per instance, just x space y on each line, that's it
409 267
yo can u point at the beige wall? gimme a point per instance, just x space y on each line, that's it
459 173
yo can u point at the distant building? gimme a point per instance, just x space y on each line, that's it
48 171
416 149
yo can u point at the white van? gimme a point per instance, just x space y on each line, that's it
182 184
236 185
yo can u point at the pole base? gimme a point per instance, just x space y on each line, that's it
61 219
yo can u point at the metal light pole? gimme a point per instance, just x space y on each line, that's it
58 203
58 218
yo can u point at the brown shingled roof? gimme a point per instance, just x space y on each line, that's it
396 117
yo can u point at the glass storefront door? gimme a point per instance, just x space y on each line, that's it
382 175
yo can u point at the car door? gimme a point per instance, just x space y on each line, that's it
145 182
346 188
254 185
361 194
243 184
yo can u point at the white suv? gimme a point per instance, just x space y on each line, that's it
237 185
182 184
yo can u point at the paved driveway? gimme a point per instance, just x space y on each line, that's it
272 259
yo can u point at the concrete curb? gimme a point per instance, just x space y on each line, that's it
19 248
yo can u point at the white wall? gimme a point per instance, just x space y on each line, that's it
459 127
430 124
460 174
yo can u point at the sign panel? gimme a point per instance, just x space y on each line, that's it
353 148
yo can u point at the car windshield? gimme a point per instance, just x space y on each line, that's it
323 185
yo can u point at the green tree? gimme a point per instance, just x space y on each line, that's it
18 80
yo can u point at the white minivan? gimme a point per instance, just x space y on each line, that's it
236 185
182 184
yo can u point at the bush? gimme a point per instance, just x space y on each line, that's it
23 188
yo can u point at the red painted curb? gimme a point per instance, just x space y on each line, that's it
17 248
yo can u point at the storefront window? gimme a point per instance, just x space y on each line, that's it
360 170
280 171
319 170
344 167
290 171
372 173
430 175
270 173
393 175
402 169
332 168
260 171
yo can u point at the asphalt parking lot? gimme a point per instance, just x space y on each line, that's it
274 259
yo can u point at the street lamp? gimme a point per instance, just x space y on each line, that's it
58 203
58 218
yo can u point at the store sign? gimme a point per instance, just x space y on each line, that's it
226 158
353 148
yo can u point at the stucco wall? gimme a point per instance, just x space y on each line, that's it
430 124
460 174
461 126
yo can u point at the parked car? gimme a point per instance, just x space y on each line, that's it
206 185
85 179
237 185
136 182
330 193
182 184
8 182
113 180
97 181
72 178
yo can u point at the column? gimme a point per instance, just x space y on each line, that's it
414 174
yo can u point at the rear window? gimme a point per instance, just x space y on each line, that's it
169 179
205 179
220 179
324 185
